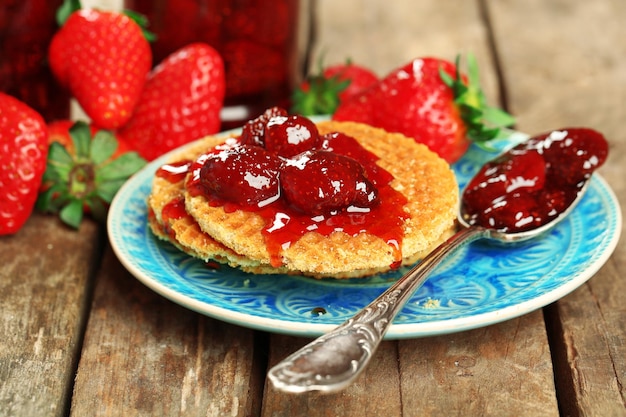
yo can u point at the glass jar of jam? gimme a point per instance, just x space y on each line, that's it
26 28
264 44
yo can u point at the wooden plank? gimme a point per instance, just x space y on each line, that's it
565 66
144 355
592 343
500 370
562 61
45 287
374 393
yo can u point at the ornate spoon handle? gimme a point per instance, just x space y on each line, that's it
332 361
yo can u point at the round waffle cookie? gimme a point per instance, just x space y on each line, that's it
419 174
181 229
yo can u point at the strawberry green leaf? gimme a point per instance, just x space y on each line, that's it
107 190
318 94
498 116
72 214
45 198
80 132
98 209
66 9
483 122
59 163
103 146
122 167
143 22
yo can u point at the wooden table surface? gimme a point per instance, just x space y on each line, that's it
81 337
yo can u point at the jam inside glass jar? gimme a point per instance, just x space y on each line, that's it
264 44
26 28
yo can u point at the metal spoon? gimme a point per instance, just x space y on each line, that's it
332 361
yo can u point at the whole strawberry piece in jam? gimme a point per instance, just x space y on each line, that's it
24 141
428 99
319 182
510 173
321 93
245 174
288 136
103 58
181 102
253 132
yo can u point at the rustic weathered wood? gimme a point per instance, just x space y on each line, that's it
45 285
374 393
146 356
565 64
500 370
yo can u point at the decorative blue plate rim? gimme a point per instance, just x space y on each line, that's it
478 285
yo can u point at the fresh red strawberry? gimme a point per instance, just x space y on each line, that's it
359 78
181 102
103 58
24 144
83 172
429 100
360 108
321 93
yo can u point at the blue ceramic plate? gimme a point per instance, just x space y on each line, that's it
477 286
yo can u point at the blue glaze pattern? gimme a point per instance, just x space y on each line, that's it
480 284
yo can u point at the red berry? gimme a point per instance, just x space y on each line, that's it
359 77
24 140
319 182
360 108
322 93
289 136
103 57
427 99
244 174
181 102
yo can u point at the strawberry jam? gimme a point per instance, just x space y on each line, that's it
334 185
173 210
174 172
534 182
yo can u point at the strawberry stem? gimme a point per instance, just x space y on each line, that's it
483 122
66 9
88 179
318 94
70 6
